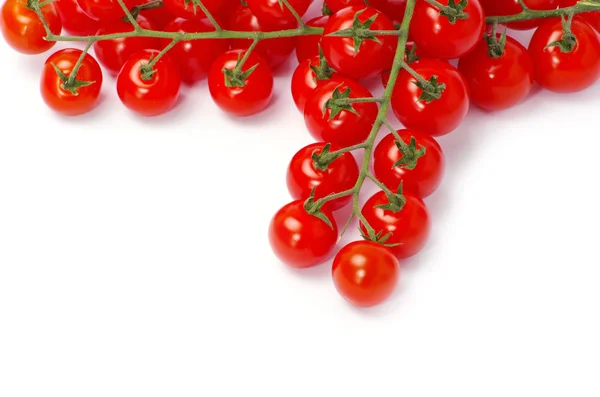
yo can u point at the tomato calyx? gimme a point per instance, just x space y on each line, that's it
135 11
410 154
325 10
322 160
396 201
568 41
495 45
236 77
379 238
70 84
432 89
360 31
454 11
338 102
313 208
411 54
324 71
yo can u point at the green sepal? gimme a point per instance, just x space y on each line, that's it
411 54
71 86
410 154
432 89
324 71
360 31
335 107
495 46
322 160
195 4
311 207
326 11
235 78
379 238
455 11
395 201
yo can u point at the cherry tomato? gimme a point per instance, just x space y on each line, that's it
304 81
394 9
194 57
409 227
275 51
158 17
365 273
372 57
592 17
188 10
241 101
421 181
498 83
104 10
62 100
154 96
274 15
346 128
437 37
565 71
308 46
74 20
23 30
303 177
113 54
440 116
301 240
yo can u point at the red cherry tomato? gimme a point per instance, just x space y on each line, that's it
113 54
409 227
74 20
421 181
365 273
301 240
188 10
194 57
393 9
23 30
104 10
372 57
62 100
275 51
498 83
308 46
303 177
440 116
565 71
249 99
154 96
273 14
347 128
158 17
304 81
512 7
437 37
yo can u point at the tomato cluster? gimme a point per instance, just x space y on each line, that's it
150 52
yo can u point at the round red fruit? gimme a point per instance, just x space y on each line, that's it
513 7
159 17
305 80
277 16
307 47
190 9
104 10
74 20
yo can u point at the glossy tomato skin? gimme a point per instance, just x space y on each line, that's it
409 227
301 240
346 128
307 47
365 273
440 116
304 82
188 10
104 10
113 54
512 7
23 30
151 97
302 177
372 57
498 83
158 17
436 37
195 57
74 20
393 9
244 101
277 16
421 181
562 72
275 51
64 101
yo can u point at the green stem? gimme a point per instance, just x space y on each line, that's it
527 13
209 16
130 17
73 75
155 60
301 23
240 64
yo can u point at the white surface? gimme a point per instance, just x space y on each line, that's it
134 259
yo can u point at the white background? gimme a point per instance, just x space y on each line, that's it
134 258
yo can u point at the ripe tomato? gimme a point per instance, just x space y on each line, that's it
303 177
241 101
274 15
113 54
194 57
345 128
372 57
65 101
439 116
307 47
275 51
104 10
189 9
301 240
498 83
565 71
393 9
74 20
437 37
158 17
154 96
421 181
305 80
23 30
512 7
365 273
409 227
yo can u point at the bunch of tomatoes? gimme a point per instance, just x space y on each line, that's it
434 58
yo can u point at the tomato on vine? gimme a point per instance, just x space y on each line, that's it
104 10
365 273
190 9
157 16
24 31
299 239
308 75
74 20
274 14
71 98
307 47
149 91
513 7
